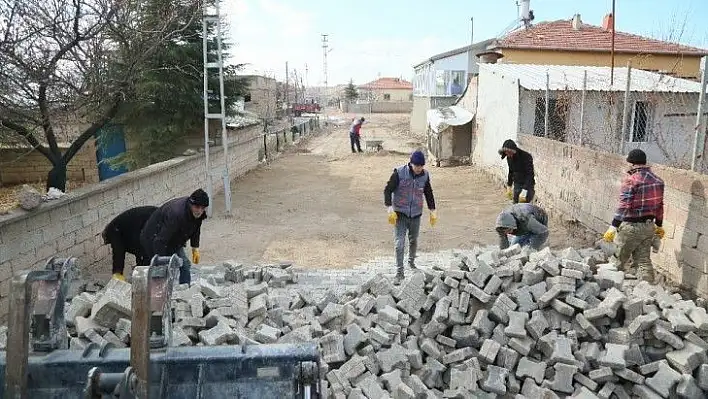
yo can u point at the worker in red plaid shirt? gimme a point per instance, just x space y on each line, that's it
639 216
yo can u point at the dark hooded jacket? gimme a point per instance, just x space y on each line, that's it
169 228
522 219
520 166
124 230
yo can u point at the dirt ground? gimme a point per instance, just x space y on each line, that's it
321 206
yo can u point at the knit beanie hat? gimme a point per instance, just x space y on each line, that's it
637 157
199 197
417 158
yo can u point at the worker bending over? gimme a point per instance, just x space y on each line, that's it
170 226
355 134
403 196
520 182
123 235
639 216
528 224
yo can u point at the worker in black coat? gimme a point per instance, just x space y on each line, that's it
170 226
123 235
520 181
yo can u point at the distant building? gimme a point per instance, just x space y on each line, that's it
387 90
261 98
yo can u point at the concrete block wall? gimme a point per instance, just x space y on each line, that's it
72 226
18 166
379 107
584 185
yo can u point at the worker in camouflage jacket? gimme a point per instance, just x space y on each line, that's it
169 227
639 217
527 223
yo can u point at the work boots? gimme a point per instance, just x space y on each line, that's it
399 278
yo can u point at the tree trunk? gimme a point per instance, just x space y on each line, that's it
57 177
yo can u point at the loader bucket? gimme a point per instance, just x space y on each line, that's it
254 371
150 369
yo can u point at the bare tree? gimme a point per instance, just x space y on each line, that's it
76 57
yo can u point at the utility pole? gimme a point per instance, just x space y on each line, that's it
286 98
325 45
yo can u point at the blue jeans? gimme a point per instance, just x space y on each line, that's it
185 272
536 241
406 226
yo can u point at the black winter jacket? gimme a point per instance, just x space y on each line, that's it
124 230
521 170
169 228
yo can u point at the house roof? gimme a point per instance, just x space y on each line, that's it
389 84
478 47
565 77
560 35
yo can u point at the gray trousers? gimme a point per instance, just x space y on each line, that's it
406 226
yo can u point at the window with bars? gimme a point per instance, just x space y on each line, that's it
640 122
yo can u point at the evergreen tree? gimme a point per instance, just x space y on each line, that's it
350 92
167 104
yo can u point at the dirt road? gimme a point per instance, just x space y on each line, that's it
322 206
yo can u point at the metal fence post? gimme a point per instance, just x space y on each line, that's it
265 146
697 159
548 99
582 104
625 110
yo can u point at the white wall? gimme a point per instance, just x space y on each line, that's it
671 122
424 80
453 63
497 119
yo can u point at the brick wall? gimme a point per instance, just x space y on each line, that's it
584 185
72 225
18 166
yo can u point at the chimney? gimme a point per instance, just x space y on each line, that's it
489 57
577 22
608 23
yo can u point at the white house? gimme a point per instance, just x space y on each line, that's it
441 79
660 115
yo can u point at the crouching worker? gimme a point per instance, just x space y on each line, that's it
170 226
528 224
123 235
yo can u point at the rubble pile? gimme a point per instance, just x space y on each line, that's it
494 323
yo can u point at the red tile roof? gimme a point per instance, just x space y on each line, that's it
388 83
560 35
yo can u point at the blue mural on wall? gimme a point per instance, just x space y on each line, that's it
110 142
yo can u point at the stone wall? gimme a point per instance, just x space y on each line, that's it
19 166
379 107
583 185
72 225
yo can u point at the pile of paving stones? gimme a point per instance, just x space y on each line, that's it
490 323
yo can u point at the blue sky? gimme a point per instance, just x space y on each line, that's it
387 37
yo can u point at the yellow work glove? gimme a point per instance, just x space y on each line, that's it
659 231
119 276
392 216
433 218
522 196
509 193
195 255
610 234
